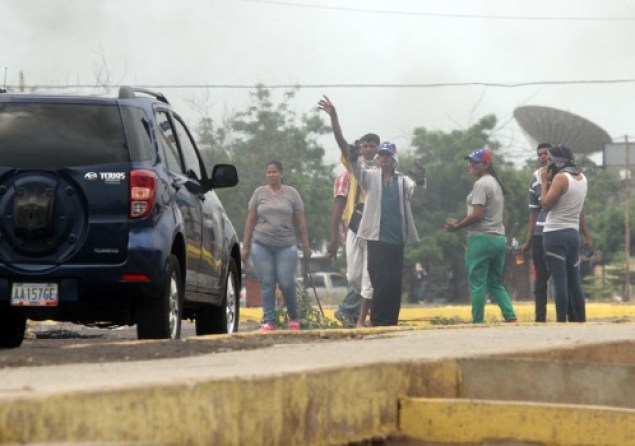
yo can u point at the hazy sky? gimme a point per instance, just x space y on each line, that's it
343 45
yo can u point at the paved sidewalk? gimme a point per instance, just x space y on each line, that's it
378 346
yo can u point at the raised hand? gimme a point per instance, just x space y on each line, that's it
326 105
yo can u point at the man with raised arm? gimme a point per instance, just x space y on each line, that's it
361 290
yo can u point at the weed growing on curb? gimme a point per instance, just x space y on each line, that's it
308 315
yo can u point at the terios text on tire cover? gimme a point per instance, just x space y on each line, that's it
109 216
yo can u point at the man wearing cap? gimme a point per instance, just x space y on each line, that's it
387 225
486 242
360 288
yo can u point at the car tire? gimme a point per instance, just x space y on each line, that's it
224 318
160 318
12 328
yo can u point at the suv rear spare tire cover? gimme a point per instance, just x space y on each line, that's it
44 216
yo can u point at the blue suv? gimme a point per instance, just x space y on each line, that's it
108 216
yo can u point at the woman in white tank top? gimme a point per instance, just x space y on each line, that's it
564 189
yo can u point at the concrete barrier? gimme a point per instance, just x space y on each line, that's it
578 395
482 382
482 421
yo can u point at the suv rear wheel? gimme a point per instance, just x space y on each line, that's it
12 327
223 319
160 318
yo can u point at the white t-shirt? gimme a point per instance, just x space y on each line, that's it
565 214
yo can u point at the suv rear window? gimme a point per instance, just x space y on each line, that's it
51 136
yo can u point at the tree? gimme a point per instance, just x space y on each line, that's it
265 132
213 141
604 209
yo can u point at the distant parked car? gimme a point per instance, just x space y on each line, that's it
330 286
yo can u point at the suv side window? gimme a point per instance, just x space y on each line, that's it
190 155
137 128
168 142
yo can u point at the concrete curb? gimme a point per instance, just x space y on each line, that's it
308 393
475 422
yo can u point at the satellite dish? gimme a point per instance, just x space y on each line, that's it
546 124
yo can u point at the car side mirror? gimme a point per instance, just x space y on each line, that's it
223 175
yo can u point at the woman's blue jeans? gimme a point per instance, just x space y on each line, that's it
562 256
276 265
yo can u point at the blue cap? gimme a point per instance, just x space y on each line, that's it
481 155
387 147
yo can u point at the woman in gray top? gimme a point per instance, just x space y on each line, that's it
276 213
485 253
564 189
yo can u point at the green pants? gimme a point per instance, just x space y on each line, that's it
485 260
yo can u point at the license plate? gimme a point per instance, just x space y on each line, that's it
34 294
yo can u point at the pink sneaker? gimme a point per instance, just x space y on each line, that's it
293 326
267 327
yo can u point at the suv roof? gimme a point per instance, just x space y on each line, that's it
125 92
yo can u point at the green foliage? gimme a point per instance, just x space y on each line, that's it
604 210
608 279
603 289
264 132
308 315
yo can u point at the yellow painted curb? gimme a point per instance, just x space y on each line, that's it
463 421
320 408
413 314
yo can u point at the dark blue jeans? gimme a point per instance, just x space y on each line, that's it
351 303
276 266
542 278
562 256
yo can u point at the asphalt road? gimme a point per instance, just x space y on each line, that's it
49 343
66 343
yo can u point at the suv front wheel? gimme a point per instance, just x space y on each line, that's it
160 318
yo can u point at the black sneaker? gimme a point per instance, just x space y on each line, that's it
346 320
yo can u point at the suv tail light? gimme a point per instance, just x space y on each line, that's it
143 186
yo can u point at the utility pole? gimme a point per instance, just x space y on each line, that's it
627 219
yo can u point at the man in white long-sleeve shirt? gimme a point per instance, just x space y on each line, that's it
387 225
